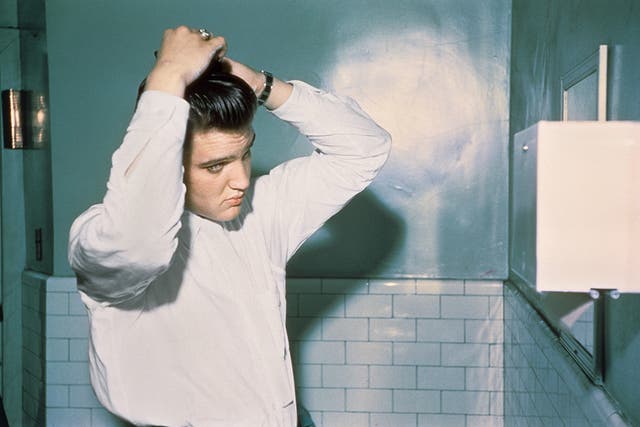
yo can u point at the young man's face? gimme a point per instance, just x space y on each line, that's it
217 169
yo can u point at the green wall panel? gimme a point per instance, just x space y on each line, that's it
434 73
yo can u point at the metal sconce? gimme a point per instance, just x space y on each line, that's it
24 116
12 119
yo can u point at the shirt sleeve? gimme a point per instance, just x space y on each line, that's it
302 194
119 246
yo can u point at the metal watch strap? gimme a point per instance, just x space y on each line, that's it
266 90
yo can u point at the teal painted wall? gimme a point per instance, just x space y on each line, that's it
12 250
434 73
549 38
25 201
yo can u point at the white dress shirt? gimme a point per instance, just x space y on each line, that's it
187 314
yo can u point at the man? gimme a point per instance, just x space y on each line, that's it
182 267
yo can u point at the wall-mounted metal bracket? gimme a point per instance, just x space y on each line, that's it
595 293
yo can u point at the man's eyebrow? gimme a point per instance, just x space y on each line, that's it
219 161
225 159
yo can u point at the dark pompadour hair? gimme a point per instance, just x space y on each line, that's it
220 100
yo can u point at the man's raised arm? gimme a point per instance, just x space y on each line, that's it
117 247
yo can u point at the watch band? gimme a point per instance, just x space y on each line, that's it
266 90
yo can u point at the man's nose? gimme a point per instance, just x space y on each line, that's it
240 176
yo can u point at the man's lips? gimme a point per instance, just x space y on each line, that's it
234 201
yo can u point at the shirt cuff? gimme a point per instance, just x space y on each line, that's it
290 105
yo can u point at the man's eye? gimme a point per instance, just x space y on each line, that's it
246 155
215 168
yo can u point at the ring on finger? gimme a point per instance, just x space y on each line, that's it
204 34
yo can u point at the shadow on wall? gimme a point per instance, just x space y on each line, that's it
356 242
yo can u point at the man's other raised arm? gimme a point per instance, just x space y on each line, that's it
305 192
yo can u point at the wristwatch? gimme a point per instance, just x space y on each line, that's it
266 89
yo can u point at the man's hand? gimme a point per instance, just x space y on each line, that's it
183 56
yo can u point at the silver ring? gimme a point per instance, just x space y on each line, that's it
206 35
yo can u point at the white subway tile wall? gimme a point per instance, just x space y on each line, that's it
34 304
375 353
398 352
366 353
542 384
67 399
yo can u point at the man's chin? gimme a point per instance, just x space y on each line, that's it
224 216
